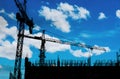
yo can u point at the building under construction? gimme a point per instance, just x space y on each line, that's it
72 69
58 69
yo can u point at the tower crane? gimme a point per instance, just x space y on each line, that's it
22 19
43 40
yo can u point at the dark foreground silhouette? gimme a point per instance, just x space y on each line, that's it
70 72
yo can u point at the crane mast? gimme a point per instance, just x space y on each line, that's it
42 50
22 19
17 67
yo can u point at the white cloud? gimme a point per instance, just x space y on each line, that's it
101 16
50 46
37 27
103 50
55 46
80 53
6 31
0 66
2 11
74 11
10 15
118 13
83 13
65 7
3 24
8 49
57 17
88 53
60 15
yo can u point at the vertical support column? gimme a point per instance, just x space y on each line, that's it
17 67
89 58
89 61
58 62
42 50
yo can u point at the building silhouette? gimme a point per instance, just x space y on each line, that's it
73 69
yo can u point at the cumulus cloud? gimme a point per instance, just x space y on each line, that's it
83 13
3 24
57 17
74 11
8 48
80 53
65 7
50 46
118 13
60 15
101 16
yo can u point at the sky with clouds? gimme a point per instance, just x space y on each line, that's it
95 23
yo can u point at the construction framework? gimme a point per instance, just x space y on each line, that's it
23 20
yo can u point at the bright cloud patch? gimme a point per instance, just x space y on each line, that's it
118 13
80 53
6 45
60 15
37 28
2 11
3 24
7 48
0 67
98 52
50 46
101 16
57 17
10 15
74 12
65 7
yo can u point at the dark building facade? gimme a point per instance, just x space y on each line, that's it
71 70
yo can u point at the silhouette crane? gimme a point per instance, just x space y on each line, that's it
43 40
22 19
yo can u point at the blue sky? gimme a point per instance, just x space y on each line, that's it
91 22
